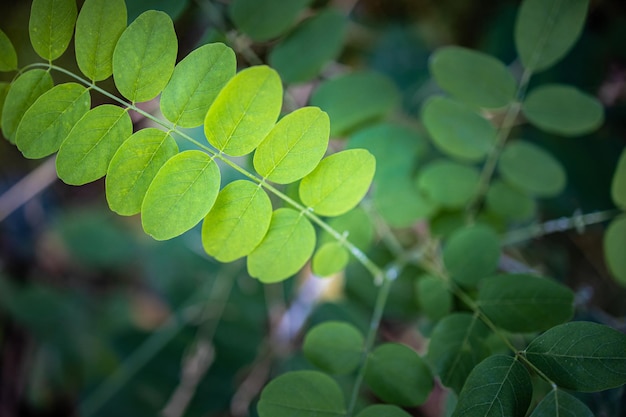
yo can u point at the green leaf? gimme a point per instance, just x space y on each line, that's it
244 111
499 386
614 244
581 356
400 204
471 253
383 410
86 153
287 246
51 26
98 28
433 297
329 259
473 77
509 202
334 347
196 82
8 56
457 345
563 110
398 375
180 195
618 186
545 179
21 95
4 89
339 182
525 303
322 36
352 100
237 222
48 121
144 57
294 147
302 394
560 403
263 20
134 166
355 225
448 183
470 137
545 30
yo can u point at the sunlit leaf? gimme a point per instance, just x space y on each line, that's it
21 95
618 186
473 77
355 225
180 195
51 26
334 347
383 410
244 111
302 394
398 375
581 356
49 120
196 82
263 20
294 147
532 169
471 253
339 182
287 246
400 203
457 345
329 259
509 202
499 386
8 56
470 137
134 166
237 222
525 303
614 244
144 57
99 26
559 403
448 183
433 297
545 30
85 155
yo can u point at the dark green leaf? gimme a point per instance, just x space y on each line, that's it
449 184
8 56
263 20
433 297
334 347
51 26
509 202
4 89
618 186
329 259
400 204
614 244
471 253
383 410
561 404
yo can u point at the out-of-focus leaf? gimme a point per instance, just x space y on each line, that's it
448 183
263 20
471 253
560 403
509 202
383 410
618 186
614 244
329 259
335 347
434 297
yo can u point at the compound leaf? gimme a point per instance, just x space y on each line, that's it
237 222
8 56
581 356
448 183
618 186
85 154
294 147
244 111
525 303
329 259
334 347
48 121
144 57
180 195
339 182
473 77
21 95
285 249
561 404
263 20
509 202
134 166
383 410
51 26
471 253
302 394
614 244
196 82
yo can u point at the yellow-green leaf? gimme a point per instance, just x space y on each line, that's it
8 56
329 259
51 26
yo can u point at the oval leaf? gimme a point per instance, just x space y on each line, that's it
134 166
470 137
509 202
560 403
355 225
398 375
48 121
400 203
339 182
614 244
545 30
8 56
263 20
245 111
4 89
144 57
196 82
99 26
302 393
471 253
499 386
433 297
473 77
532 169
51 26
329 259
86 153
525 303
334 347
287 246
237 222
618 186
449 184
294 146
581 356
180 195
